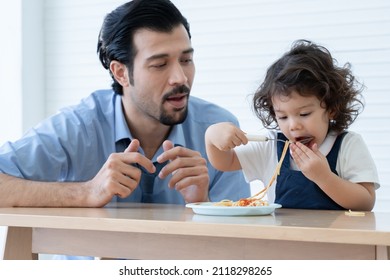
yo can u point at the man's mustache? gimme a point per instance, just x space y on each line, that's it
176 90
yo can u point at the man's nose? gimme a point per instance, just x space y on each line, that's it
177 75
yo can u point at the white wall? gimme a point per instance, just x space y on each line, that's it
22 67
10 70
33 63
21 70
10 78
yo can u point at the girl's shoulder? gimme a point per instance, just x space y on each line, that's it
351 137
352 145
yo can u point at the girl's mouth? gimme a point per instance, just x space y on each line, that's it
305 140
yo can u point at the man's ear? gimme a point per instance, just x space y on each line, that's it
120 73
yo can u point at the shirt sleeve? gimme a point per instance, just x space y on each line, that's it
68 146
44 153
258 159
355 162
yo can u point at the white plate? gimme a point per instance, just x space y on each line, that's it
208 208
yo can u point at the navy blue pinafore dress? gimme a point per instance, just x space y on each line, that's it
294 190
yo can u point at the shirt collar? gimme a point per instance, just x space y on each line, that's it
177 135
327 145
121 129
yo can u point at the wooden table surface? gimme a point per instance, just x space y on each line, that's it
163 231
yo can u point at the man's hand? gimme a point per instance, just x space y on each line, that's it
189 172
118 176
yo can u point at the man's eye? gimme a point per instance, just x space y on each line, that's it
159 65
187 61
281 117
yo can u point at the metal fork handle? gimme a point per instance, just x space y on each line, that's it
261 138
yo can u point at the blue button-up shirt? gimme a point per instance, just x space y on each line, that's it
73 145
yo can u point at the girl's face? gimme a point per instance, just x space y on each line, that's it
300 117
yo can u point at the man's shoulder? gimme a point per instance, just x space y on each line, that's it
99 100
102 96
97 106
204 111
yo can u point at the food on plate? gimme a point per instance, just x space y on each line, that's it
257 199
243 202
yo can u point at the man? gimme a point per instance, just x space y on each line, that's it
143 141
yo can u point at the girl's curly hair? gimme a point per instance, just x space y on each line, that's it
309 69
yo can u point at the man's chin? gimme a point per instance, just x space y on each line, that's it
177 118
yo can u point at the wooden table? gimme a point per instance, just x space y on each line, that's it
160 231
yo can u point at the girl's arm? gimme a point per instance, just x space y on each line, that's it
354 196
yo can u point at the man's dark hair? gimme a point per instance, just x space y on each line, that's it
115 40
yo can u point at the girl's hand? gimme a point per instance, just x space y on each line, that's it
311 162
225 136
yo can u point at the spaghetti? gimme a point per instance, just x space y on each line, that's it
257 199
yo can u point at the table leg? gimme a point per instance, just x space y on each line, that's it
18 244
382 252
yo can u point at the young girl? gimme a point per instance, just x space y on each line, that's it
311 102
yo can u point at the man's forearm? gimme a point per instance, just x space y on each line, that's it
17 192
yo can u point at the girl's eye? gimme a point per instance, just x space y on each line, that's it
305 114
281 117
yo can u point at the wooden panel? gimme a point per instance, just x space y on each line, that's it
143 246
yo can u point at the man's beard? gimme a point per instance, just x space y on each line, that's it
168 119
178 116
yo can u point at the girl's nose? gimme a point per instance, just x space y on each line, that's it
295 124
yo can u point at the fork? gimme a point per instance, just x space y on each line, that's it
262 138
